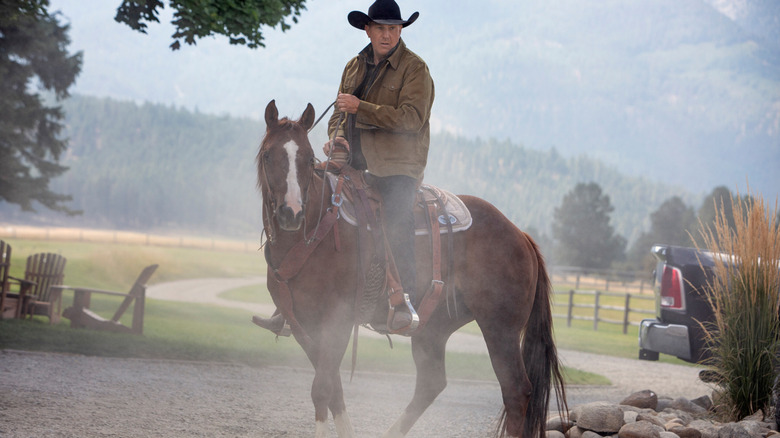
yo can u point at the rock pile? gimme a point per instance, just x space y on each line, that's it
645 415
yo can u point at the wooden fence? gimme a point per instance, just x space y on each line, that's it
597 306
605 279
629 283
125 237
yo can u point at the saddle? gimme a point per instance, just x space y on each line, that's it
454 211
436 212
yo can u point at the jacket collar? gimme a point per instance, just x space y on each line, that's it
395 55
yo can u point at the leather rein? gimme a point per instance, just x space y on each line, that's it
296 257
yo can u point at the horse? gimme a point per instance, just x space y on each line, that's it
496 273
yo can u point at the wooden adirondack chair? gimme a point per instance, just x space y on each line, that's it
9 302
43 271
81 317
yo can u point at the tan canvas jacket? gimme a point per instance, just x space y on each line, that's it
394 117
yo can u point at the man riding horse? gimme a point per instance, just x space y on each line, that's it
384 106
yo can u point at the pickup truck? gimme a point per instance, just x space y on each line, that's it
679 284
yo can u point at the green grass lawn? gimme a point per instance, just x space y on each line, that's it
201 332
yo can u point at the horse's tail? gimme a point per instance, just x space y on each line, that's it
540 356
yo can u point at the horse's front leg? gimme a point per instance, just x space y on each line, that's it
327 394
428 352
326 391
339 409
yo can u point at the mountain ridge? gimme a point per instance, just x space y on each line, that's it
192 171
675 90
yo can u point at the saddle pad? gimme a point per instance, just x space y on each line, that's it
459 215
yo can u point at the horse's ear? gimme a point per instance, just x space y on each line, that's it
271 115
307 119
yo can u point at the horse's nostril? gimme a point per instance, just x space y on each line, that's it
288 218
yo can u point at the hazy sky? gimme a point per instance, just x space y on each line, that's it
288 69
305 63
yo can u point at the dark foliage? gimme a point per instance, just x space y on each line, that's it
33 53
582 230
240 21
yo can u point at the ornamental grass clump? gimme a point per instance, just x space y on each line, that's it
744 293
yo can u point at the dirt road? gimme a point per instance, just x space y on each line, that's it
55 395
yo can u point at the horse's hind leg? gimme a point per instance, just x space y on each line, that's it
504 348
428 352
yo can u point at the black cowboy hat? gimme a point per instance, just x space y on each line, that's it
382 12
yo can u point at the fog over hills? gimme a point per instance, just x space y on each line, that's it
685 92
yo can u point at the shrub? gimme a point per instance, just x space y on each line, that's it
744 294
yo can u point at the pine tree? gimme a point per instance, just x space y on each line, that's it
581 228
33 53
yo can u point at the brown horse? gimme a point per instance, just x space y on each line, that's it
498 278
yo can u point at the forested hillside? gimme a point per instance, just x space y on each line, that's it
686 91
155 167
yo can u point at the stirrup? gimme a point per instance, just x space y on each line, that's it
413 324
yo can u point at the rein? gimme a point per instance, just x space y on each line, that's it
323 115
334 198
269 230
296 257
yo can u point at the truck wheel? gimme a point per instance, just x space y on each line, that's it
647 354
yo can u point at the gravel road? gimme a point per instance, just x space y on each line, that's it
56 395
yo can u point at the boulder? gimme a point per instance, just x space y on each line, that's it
685 405
707 428
646 399
757 416
557 423
733 430
703 401
574 432
655 419
678 418
684 431
754 427
640 429
663 403
599 417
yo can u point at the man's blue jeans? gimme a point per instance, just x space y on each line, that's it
398 197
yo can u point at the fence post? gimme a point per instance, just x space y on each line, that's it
606 284
577 283
625 314
571 306
596 312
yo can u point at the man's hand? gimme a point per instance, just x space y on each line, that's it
340 143
347 103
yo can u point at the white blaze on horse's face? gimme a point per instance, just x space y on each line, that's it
293 199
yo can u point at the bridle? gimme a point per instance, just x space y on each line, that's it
271 203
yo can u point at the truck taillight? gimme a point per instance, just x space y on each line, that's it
671 288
